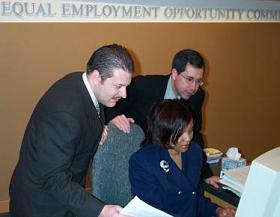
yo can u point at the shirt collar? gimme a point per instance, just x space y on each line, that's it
169 93
92 96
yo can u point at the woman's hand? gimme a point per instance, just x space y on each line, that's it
214 181
227 212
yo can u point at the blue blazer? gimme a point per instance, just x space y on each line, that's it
172 190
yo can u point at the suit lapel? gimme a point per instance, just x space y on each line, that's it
93 120
176 178
102 115
162 88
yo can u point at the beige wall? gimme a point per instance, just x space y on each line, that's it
243 93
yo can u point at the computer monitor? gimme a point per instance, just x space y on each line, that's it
261 194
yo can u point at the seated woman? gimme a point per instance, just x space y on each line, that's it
165 172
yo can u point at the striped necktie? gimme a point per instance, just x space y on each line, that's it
97 106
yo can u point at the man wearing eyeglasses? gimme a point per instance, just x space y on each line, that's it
184 82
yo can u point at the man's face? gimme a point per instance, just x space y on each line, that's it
187 82
112 89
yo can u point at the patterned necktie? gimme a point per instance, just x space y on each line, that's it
97 106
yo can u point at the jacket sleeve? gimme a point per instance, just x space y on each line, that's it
143 183
57 137
205 207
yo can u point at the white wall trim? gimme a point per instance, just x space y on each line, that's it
91 11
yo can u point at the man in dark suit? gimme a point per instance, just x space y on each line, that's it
184 83
62 136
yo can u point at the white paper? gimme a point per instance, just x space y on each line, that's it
138 208
234 179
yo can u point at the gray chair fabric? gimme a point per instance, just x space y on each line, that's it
109 178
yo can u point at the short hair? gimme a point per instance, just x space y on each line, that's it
110 57
167 121
185 57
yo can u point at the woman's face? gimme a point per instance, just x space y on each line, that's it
184 140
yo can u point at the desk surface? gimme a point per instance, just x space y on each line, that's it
224 195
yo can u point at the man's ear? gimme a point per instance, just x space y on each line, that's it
174 74
95 76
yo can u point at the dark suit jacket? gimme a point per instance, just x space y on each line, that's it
59 142
174 191
146 90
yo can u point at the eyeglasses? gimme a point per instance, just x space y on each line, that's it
189 80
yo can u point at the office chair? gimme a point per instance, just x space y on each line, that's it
109 178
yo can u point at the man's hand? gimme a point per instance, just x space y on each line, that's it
213 180
111 211
122 122
104 135
227 212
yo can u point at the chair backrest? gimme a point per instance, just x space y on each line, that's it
109 178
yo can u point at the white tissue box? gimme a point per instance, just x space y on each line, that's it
228 163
